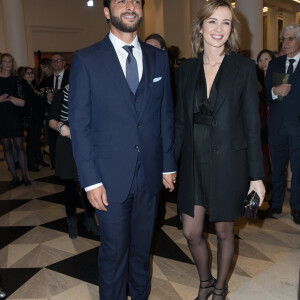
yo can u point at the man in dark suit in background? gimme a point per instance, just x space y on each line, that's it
284 120
121 121
58 80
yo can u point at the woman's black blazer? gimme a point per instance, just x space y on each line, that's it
235 136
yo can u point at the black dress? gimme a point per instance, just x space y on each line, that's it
65 166
10 114
203 111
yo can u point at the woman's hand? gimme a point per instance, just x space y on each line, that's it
3 98
65 131
259 187
16 101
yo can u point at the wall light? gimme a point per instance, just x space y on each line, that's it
265 9
90 3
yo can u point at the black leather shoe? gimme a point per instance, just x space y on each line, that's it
14 183
26 181
296 216
270 212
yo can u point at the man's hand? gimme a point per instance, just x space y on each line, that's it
282 90
169 180
259 188
98 198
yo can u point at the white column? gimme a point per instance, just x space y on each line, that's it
288 18
153 19
272 28
177 25
195 6
14 30
251 17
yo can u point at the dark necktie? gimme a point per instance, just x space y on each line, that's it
56 83
290 69
132 75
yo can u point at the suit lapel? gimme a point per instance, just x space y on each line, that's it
149 67
228 75
110 59
193 85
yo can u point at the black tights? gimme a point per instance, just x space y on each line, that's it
8 154
193 232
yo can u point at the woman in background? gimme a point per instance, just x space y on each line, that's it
65 166
33 120
217 136
263 59
11 127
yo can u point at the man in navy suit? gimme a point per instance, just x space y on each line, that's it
121 121
284 120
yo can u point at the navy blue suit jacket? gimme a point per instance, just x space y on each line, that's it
287 113
106 131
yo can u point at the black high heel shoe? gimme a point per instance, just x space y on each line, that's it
26 182
14 183
209 289
221 294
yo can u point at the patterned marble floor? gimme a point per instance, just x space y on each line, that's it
38 260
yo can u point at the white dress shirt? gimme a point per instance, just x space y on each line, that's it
287 63
61 75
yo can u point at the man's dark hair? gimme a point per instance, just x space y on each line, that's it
106 3
158 38
58 53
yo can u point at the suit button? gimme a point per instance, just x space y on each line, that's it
139 125
214 123
136 100
136 147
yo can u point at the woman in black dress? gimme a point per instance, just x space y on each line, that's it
217 136
65 166
32 119
11 127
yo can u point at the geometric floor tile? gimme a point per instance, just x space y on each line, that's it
10 234
83 266
162 244
51 179
13 279
39 261
9 205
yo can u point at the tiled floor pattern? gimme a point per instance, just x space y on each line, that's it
39 261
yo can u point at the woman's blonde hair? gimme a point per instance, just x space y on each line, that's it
14 65
207 11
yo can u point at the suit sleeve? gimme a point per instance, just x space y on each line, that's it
179 119
167 123
251 122
80 121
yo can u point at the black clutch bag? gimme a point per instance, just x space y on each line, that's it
251 204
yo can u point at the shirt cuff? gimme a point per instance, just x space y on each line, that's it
91 187
169 172
274 97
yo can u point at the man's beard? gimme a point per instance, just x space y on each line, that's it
119 24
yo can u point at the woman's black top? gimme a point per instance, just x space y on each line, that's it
10 114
